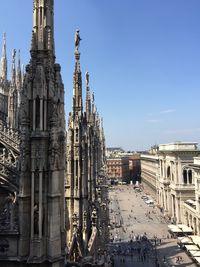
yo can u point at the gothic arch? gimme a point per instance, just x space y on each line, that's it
187 175
168 171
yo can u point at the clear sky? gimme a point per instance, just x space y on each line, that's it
143 57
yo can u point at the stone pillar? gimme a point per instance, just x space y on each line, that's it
172 205
178 210
41 114
32 203
34 114
40 204
164 199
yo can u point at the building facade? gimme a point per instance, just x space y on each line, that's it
118 168
42 148
134 168
168 172
191 208
149 171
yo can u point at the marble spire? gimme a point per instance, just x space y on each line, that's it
4 59
77 90
43 25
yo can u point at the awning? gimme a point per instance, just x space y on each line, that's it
192 248
174 228
190 201
185 228
197 259
171 226
184 240
195 239
194 253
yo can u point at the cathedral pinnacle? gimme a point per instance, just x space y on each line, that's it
4 59
93 104
22 80
88 99
13 67
77 95
19 75
43 25
42 147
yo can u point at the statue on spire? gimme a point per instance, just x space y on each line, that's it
13 55
13 66
4 59
4 46
77 40
87 76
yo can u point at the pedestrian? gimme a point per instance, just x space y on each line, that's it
144 255
177 259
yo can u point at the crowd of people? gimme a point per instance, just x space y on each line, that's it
139 248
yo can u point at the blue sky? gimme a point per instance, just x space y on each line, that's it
143 57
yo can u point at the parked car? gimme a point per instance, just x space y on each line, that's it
150 201
143 197
151 205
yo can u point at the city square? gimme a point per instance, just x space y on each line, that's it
137 220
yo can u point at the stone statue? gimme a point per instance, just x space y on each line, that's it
36 219
77 40
87 76
13 55
55 151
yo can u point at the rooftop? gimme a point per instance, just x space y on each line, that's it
179 146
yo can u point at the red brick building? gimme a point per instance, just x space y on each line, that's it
118 168
134 168
124 168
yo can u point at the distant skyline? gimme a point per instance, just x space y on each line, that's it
143 57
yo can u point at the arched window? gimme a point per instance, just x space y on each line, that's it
185 176
76 175
168 171
190 176
76 135
37 116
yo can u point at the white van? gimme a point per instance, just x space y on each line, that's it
150 201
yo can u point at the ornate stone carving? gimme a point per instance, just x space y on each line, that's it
8 220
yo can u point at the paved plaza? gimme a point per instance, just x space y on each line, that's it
139 233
